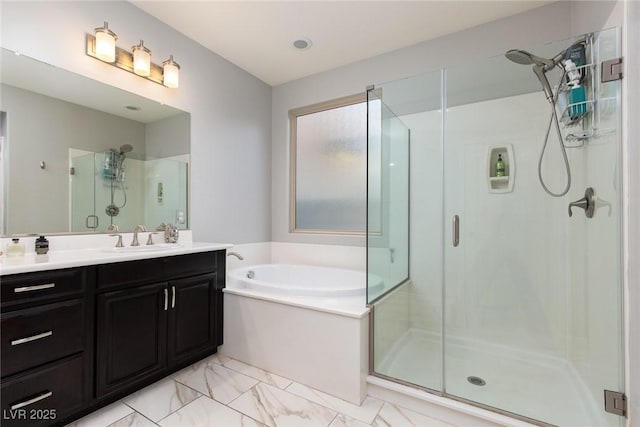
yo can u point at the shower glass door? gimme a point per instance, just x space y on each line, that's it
532 312
82 182
406 290
387 198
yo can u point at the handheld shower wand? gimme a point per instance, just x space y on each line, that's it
540 68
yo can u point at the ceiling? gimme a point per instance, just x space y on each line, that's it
257 36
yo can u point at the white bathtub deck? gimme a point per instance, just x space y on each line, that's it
325 348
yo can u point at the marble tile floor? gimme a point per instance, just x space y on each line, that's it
223 392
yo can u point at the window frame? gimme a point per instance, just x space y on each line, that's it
293 136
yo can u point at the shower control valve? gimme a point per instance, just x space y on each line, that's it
588 203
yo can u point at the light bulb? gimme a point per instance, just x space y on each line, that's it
171 73
106 43
141 60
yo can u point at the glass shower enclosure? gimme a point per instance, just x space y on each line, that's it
485 288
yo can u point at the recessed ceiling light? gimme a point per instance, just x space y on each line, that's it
302 44
133 108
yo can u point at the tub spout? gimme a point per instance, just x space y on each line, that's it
237 255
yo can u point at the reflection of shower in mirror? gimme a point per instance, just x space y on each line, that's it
113 173
113 166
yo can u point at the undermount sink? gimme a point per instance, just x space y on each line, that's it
144 248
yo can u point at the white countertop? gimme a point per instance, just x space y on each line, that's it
58 259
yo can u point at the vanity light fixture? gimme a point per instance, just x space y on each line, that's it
102 46
171 73
141 59
106 43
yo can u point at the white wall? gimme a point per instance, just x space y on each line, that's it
230 109
168 137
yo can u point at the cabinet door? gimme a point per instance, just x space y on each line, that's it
191 316
132 335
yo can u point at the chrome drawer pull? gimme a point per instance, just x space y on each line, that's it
34 288
166 298
32 401
33 338
173 297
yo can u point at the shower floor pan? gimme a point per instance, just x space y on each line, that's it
537 387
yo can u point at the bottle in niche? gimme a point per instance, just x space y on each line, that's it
500 166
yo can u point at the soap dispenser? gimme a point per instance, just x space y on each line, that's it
42 245
15 248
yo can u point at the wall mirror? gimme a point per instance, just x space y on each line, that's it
80 156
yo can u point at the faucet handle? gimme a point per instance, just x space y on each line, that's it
587 203
119 243
150 238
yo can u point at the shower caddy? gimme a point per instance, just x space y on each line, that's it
585 125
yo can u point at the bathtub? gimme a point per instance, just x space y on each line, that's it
301 281
309 324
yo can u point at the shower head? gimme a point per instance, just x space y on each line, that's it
540 66
525 58
125 148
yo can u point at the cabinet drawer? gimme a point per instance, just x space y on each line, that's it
33 336
152 270
42 396
130 273
190 264
41 286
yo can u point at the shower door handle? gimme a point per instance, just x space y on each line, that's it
455 235
95 219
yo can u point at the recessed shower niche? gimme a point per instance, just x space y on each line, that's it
501 169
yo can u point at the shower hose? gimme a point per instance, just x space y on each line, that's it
554 119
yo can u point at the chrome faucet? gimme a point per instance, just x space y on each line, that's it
135 234
235 254
119 243
150 239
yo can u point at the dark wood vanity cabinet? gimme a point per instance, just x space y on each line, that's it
113 328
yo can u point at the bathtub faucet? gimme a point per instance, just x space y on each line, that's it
237 255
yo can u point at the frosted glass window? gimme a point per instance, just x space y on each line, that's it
329 167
